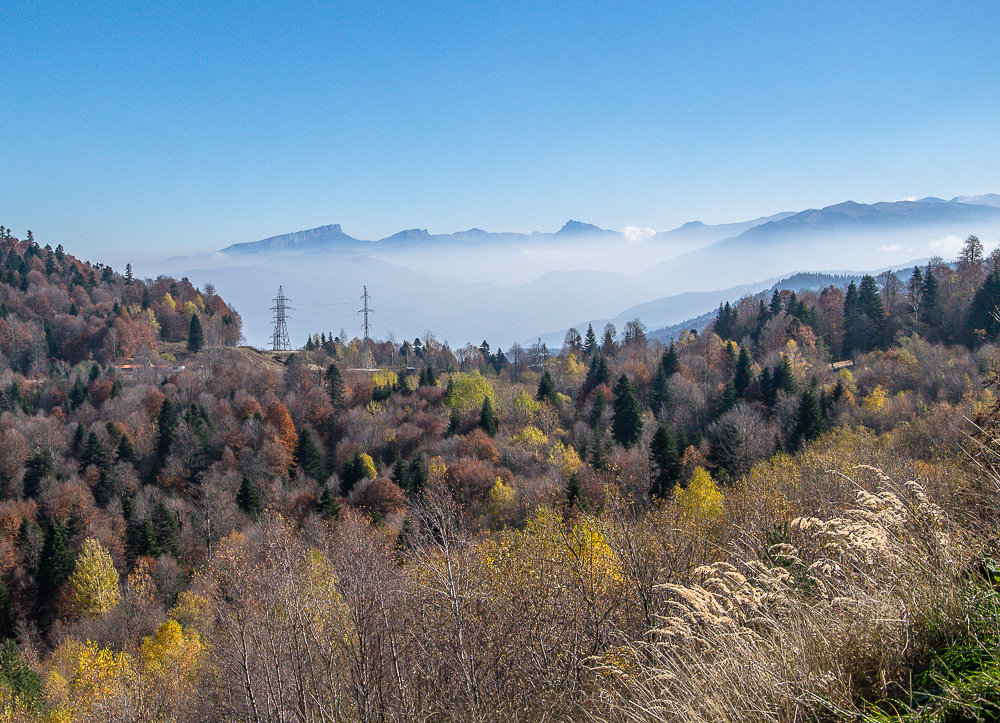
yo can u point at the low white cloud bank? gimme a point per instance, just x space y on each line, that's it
892 248
638 234
947 246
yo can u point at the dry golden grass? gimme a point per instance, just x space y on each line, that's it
820 623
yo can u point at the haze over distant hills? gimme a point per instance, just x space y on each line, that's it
510 287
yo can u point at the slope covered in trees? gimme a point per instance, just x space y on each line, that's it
618 531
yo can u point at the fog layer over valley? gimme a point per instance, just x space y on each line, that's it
515 287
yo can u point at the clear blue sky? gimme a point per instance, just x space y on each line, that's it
192 128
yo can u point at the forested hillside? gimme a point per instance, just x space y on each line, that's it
772 520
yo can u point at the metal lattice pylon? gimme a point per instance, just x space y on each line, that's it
279 340
368 358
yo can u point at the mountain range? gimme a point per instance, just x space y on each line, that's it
508 287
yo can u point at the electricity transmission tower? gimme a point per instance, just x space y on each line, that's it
369 360
279 340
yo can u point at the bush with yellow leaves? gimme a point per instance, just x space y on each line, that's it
94 584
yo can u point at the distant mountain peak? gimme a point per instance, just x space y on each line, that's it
575 228
319 237
409 234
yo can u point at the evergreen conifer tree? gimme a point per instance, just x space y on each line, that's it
665 462
335 387
488 417
597 374
36 469
125 450
248 498
7 616
783 378
454 421
659 393
167 529
418 473
308 457
329 505
598 452
166 422
728 399
590 341
626 423
671 361
93 452
774 308
546 389
573 491
56 563
983 323
930 313
768 391
744 373
809 420
196 338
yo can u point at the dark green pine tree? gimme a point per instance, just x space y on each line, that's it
147 544
418 473
488 418
768 391
352 473
18 676
728 399
743 377
875 320
329 505
853 330
196 337
983 323
809 420
659 393
664 462
590 341
78 436
248 498
56 563
166 422
125 451
598 452
574 490
597 411
78 394
308 457
167 529
454 421
775 306
598 373
546 389
7 616
626 422
725 322
36 469
930 302
335 387
671 361
93 452
783 378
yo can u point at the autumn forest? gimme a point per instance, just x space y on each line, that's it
788 516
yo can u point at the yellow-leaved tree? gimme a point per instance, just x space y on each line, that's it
701 499
94 582
172 656
467 391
